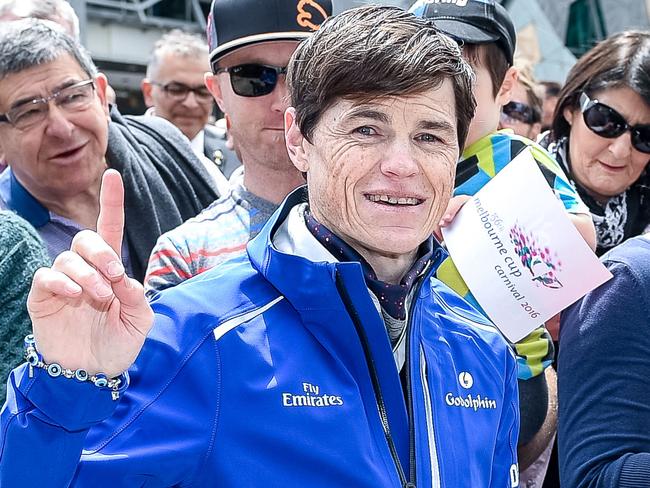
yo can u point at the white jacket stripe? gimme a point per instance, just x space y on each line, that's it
234 322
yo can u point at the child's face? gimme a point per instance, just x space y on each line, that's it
488 107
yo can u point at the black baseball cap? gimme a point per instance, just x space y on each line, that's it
233 24
471 21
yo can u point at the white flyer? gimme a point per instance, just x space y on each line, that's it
518 252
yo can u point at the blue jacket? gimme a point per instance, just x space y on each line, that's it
276 370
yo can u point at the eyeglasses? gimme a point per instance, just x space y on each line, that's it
253 80
521 112
607 122
72 98
179 91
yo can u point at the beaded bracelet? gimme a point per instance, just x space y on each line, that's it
35 360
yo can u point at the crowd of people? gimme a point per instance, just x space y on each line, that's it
266 301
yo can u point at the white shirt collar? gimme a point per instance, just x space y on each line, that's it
293 237
198 143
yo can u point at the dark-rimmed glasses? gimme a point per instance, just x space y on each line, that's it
253 80
72 98
606 122
179 91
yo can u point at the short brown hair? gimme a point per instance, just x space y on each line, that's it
622 60
373 52
492 57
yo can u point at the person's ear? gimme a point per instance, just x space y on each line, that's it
536 129
101 82
568 115
213 85
146 86
295 141
507 86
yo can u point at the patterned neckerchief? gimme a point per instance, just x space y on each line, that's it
610 218
392 298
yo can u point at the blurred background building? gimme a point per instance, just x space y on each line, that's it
121 33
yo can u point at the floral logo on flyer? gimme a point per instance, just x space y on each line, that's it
542 262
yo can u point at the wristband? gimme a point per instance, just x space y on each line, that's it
117 385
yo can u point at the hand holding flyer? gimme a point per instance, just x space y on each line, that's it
519 253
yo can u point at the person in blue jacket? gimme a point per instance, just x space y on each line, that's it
328 355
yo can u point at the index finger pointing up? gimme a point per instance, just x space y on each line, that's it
110 223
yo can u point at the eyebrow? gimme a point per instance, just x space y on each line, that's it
28 99
366 113
436 125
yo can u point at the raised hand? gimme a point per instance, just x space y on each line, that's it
86 312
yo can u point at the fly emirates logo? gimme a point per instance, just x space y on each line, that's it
311 397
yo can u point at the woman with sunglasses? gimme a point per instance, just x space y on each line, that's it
601 135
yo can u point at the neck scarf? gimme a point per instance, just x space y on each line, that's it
610 218
392 298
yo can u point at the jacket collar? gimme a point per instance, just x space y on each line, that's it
304 282
298 265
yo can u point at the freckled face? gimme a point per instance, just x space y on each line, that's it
381 172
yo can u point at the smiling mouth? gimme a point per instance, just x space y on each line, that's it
395 201
68 153
610 167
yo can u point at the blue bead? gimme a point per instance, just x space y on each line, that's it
54 370
81 374
32 358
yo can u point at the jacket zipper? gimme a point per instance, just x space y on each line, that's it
409 398
379 399
428 409
409 388
381 406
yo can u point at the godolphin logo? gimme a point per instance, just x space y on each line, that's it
309 12
465 379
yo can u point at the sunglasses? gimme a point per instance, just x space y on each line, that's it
522 112
607 122
253 80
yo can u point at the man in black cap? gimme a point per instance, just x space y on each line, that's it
250 42
488 37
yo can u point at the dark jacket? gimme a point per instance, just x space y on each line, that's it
215 150
164 182
604 377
